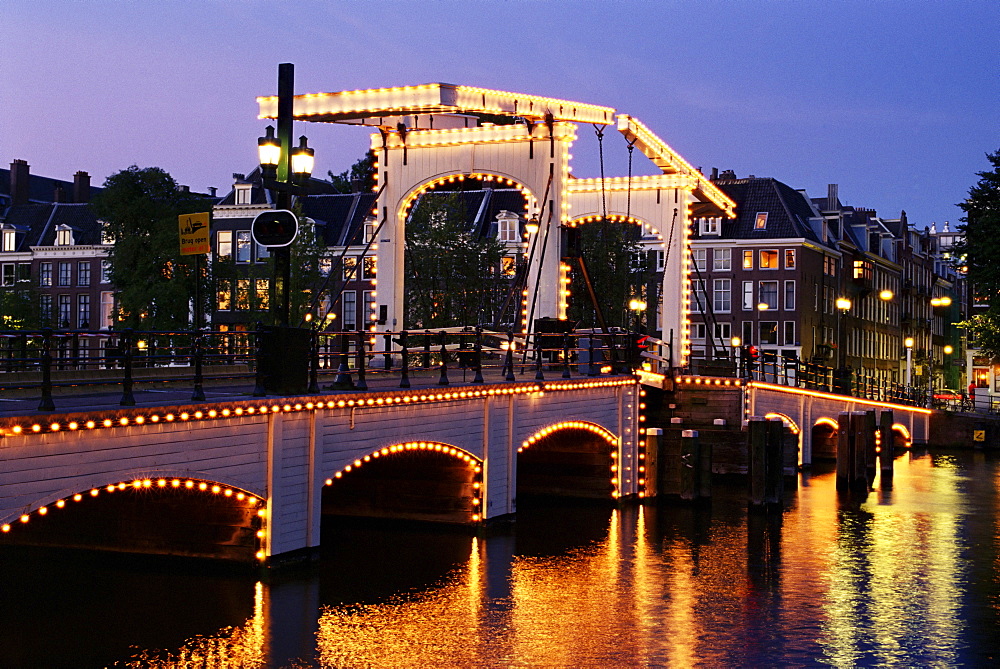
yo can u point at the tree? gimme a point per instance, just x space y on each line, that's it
19 309
452 278
361 176
979 250
612 253
155 284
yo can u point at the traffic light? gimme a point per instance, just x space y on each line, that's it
275 228
751 356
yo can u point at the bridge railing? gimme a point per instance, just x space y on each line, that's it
42 361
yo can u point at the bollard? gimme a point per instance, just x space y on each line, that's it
343 380
654 439
886 447
443 379
509 358
46 403
404 378
388 351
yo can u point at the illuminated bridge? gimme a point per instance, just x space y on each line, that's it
241 477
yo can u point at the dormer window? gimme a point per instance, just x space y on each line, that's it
508 228
760 222
9 239
64 235
710 226
242 193
106 237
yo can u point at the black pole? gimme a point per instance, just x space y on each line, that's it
282 260
479 356
314 362
361 357
443 379
509 359
404 379
343 380
46 403
566 373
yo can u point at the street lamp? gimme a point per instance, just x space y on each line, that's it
736 342
908 343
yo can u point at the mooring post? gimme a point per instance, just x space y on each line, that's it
509 358
690 464
388 351
886 448
859 462
871 448
757 459
343 380
654 439
774 478
844 451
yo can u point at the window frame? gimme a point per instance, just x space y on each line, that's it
722 260
768 259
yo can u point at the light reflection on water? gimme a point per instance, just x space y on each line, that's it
900 577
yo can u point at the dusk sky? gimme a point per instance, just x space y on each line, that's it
896 101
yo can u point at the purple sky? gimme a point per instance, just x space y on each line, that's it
895 100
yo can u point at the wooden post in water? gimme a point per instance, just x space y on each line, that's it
690 464
886 446
870 448
774 462
757 458
654 437
859 467
845 448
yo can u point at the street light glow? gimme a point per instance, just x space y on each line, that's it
843 303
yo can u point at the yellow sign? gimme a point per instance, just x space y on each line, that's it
979 435
194 234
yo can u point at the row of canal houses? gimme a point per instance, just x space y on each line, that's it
797 276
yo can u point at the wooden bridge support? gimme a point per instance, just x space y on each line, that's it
856 455
765 465
887 444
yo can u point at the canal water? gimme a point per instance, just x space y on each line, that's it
902 577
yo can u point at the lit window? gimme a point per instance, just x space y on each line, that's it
760 222
768 259
242 194
223 294
748 259
368 267
9 239
508 229
350 267
107 309
263 294
769 294
789 258
64 235
508 267
242 294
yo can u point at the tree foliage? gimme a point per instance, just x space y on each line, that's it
19 310
980 249
155 283
612 253
360 178
452 277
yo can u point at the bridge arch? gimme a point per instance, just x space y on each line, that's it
595 217
551 462
418 480
486 180
149 494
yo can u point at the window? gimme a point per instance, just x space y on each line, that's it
64 235
224 244
369 307
699 258
760 221
768 259
107 309
710 226
65 310
242 194
263 294
242 294
83 273
261 254
507 227
350 265
45 274
724 332
83 311
981 376
698 331
45 308
24 271
325 265
9 270
748 296
699 297
243 246
829 266
350 299
223 295
65 274
769 295
789 258
790 295
9 239
721 301
370 227
768 333
748 259
368 267
747 333
722 260
508 267
105 271
661 261
790 334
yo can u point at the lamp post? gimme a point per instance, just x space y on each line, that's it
908 343
283 169
736 342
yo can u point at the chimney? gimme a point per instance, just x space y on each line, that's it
715 173
832 201
20 173
58 195
212 190
81 187
184 189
